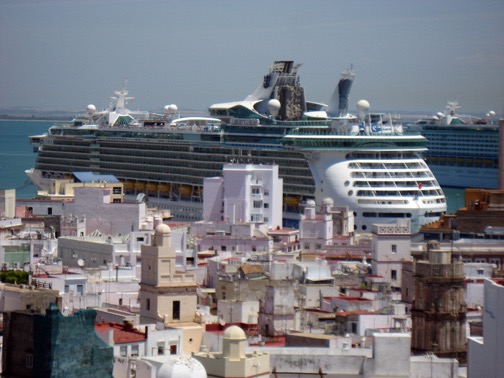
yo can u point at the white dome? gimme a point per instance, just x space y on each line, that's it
310 203
328 201
363 105
91 109
181 367
274 106
234 333
170 109
163 229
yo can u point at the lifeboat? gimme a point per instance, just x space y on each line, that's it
140 185
152 187
185 190
164 188
291 201
129 185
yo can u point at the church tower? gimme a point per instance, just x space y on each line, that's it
165 294
439 310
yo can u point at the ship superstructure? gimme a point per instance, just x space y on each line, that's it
168 158
462 150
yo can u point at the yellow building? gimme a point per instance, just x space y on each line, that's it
234 361
167 295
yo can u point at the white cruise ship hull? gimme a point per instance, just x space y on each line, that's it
377 195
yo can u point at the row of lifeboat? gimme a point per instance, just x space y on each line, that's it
142 186
186 190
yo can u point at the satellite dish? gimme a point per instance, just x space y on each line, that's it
222 322
80 262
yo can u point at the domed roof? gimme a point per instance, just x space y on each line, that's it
163 229
181 367
310 203
234 333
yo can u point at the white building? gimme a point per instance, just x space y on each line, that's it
318 227
240 239
389 357
101 251
7 203
245 193
484 357
391 245
102 214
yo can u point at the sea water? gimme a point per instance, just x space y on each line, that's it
16 156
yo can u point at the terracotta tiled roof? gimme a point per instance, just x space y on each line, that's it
123 333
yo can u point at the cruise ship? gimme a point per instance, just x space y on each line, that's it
463 151
366 162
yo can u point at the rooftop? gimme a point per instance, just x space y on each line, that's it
123 333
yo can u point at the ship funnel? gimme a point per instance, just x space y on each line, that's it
338 105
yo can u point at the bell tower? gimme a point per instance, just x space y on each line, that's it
439 310
165 294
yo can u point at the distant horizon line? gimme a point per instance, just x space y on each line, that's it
31 112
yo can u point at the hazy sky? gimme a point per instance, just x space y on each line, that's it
407 55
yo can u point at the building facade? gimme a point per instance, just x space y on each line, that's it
245 193
53 345
439 311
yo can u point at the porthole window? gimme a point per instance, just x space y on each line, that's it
347 183
350 193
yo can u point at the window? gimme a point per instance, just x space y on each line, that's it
67 289
176 310
29 360
393 274
134 350
147 305
160 349
266 205
173 349
394 248
49 211
123 351
257 204
80 289
116 190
